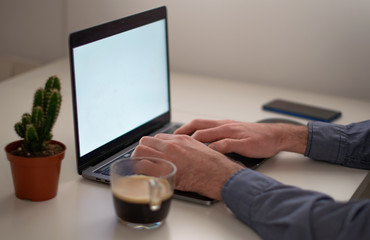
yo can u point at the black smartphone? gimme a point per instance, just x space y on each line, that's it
302 110
194 197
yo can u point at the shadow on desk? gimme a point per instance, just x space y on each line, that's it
122 232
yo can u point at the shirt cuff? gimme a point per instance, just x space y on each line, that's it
241 189
326 142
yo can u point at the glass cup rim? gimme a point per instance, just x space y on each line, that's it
171 174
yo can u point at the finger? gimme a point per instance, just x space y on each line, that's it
145 151
243 147
167 143
153 142
144 167
150 167
226 145
216 133
171 138
196 124
165 136
239 146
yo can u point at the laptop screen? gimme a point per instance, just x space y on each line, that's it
121 82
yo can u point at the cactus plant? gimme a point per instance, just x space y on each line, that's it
35 127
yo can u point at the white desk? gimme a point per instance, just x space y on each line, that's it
84 210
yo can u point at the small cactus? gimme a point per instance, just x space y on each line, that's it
35 128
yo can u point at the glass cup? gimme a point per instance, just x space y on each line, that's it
142 191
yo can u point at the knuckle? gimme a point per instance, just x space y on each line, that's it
228 127
227 121
233 128
139 150
182 138
196 121
159 135
144 139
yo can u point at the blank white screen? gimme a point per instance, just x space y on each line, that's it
121 83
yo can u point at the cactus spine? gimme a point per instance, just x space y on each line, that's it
35 128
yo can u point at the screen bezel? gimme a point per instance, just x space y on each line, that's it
99 32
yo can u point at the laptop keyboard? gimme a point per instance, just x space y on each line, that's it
172 129
105 170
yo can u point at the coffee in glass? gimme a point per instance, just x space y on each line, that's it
142 191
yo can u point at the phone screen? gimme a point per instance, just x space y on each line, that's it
302 110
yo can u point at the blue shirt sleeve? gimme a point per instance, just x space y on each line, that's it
347 145
278 211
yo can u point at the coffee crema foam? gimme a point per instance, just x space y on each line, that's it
135 189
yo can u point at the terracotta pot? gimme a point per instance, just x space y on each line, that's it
36 178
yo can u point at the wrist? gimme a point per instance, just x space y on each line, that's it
214 186
293 138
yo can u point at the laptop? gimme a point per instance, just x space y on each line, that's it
121 91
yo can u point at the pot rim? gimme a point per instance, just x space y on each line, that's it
12 145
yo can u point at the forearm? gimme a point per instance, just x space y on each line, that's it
278 211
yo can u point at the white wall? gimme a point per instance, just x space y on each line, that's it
33 29
316 45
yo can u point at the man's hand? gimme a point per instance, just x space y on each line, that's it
200 169
256 140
